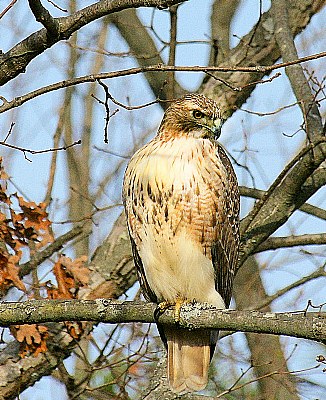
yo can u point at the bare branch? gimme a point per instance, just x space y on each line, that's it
107 109
277 182
29 151
274 243
7 8
222 15
283 198
299 83
18 101
43 16
56 141
193 316
38 42
52 248
263 50
307 208
320 272
130 108
143 48
173 47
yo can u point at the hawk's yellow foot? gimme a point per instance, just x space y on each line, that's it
164 305
177 309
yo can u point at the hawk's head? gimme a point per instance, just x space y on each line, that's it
192 115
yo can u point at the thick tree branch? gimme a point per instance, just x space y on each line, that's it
43 16
281 200
222 14
193 316
299 83
16 60
52 248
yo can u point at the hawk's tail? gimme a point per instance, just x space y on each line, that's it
188 358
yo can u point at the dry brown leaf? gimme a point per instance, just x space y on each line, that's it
76 268
9 272
35 214
64 281
32 338
70 275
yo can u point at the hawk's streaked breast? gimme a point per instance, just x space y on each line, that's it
176 189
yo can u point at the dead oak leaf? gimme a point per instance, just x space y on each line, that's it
77 269
34 214
64 281
9 271
32 338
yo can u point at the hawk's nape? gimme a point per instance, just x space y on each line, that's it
182 204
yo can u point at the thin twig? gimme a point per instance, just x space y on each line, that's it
173 45
107 109
18 101
130 108
269 299
264 114
29 151
9 132
9 6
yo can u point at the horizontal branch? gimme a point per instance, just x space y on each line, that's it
274 243
193 316
18 101
307 208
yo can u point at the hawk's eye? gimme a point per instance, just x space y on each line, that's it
197 114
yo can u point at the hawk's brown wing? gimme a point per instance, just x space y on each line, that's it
225 249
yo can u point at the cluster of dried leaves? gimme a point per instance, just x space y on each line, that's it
24 230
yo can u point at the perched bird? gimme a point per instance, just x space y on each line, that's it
182 204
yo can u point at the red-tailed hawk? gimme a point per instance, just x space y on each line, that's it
182 204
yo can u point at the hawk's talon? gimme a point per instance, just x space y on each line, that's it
161 308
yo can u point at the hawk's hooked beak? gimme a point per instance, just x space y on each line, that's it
216 128
212 130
